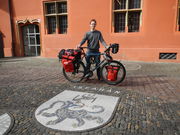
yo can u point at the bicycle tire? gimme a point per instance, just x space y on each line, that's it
77 75
121 72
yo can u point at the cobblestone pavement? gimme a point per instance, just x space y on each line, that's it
149 96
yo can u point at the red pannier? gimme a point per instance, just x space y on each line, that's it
67 62
112 72
68 57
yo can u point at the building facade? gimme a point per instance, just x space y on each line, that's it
147 30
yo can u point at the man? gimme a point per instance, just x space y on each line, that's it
93 37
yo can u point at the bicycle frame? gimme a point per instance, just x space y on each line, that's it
106 57
96 67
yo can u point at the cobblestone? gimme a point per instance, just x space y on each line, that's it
149 97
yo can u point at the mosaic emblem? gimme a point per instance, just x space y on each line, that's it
5 123
76 111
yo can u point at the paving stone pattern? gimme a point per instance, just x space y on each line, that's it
149 97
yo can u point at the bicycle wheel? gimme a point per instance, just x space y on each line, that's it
120 75
78 73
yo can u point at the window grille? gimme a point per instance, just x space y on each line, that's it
63 24
167 55
56 17
133 21
119 4
127 13
51 24
120 22
62 7
134 4
50 8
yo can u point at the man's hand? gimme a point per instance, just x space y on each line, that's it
78 46
107 46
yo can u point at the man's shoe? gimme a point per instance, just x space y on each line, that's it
99 78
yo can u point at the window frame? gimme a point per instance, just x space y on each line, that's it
56 15
178 16
126 11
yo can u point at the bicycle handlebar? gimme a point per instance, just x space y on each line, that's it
82 47
107 49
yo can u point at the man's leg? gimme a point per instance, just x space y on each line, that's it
88 64
97 60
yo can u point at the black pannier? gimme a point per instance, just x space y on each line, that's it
115 48
69 52
74 52
61 53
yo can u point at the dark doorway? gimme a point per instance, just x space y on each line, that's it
31 40
1 46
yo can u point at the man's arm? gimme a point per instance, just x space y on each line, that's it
83 41
102 41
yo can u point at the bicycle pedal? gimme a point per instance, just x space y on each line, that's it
88 75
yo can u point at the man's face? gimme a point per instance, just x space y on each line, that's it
92 25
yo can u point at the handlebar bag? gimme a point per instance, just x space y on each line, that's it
115 48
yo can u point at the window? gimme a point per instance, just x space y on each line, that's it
126 15
178 25
56 17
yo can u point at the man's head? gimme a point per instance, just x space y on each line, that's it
93 24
